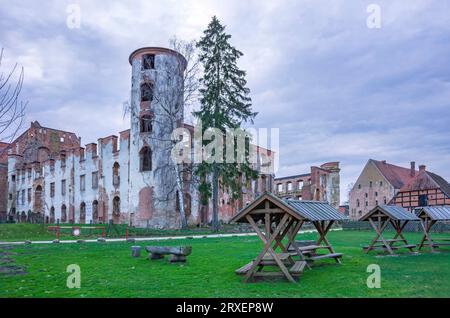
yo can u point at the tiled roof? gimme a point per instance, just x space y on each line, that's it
397 176
443 184
425 180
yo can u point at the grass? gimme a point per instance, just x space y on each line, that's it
108 270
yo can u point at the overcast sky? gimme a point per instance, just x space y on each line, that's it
336 89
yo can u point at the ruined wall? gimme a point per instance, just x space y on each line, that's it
42 158
321 184
38 187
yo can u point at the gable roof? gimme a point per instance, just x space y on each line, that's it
301 210
425 180
437 213
397 176
316 210
393 212
267 196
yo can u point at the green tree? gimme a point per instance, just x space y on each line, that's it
225 105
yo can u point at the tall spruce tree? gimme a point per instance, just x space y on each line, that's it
225 105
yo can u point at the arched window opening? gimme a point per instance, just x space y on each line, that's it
83 213
146 123
52 215
38 200
95 212
146 92
116 210
145 156
116 174
63 214
148 61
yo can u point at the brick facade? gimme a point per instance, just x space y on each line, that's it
384 183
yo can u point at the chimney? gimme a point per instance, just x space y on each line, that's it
413 169
422 168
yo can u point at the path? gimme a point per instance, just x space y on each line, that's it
143 239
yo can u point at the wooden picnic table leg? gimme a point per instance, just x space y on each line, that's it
383 226
291 241
426 228
286 231
398 229
268 248
401 227
323 230
379 231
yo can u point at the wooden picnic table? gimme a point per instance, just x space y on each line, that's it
382 216
277 222
429 216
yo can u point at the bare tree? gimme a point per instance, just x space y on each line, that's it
176 98
12 109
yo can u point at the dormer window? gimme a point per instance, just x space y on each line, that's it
148 62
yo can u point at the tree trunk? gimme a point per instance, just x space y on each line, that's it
180 189
215 199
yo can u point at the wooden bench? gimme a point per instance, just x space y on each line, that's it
297 268
323 256
393 247
244 269
177 254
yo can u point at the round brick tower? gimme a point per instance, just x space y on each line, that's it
156 109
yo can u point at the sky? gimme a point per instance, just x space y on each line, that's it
336 89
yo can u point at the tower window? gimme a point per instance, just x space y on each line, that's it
145 156
146 92
148 61
146 123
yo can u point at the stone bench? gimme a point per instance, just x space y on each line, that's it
177 254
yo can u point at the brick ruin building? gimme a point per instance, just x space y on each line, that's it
321 184
384 183
124 179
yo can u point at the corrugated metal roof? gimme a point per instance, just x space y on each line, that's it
394 212
315 210
438 213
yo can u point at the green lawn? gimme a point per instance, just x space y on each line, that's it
108 270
